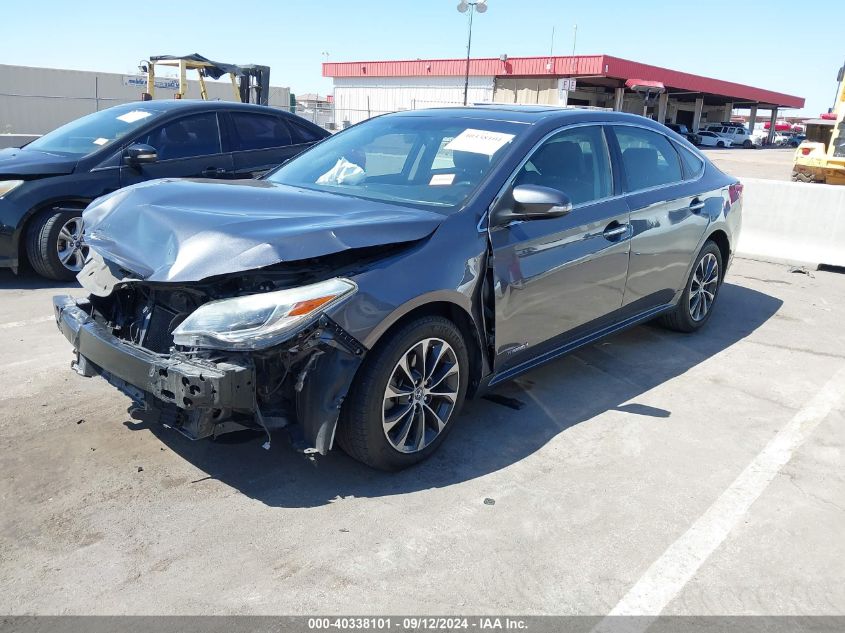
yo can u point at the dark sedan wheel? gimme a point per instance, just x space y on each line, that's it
696 304
406 396
54 244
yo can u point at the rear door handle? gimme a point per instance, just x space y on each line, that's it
213 172
615 231
696 205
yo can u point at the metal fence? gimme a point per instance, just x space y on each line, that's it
334 118
37 100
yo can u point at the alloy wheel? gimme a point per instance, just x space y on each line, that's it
420 395
70 248
705 282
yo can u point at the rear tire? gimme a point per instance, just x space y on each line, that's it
53 244
703 283
364 430
747 144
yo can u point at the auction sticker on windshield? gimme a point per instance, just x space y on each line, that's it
442 179
479 141
135 115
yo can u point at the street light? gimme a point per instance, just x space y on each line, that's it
470 7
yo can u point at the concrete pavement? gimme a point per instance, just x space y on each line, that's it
622 451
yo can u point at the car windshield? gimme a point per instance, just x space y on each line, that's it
90 133
420 160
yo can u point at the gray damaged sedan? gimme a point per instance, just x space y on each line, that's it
359 293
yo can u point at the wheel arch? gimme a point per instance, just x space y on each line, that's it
444 304
720 238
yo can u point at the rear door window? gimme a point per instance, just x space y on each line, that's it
301 133
648 158
693 164
259 131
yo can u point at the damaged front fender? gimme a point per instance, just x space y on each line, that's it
324 383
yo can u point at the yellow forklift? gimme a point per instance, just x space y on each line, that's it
821 157
250 83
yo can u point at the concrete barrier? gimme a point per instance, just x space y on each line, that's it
16 140
793 222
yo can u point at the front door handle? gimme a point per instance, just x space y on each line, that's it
615 231
696 205
213 172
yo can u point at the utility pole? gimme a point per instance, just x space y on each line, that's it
471 7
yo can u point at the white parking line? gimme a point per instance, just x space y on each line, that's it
10 324
668 575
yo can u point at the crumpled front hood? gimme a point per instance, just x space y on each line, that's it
30 162
188 230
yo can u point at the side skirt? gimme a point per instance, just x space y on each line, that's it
571 346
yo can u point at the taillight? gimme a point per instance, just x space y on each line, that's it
735 191
805 151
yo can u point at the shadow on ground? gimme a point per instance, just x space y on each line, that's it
488 436
27 279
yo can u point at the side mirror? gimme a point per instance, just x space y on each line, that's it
533 202
139 153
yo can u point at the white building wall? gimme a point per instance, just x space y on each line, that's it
358 98
37 100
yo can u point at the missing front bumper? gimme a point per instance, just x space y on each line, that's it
200 397
188 384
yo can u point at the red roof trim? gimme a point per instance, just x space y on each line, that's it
487 66
579 65
673 79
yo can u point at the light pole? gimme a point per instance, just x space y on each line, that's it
470 7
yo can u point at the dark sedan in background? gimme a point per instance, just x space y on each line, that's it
45 185
364 289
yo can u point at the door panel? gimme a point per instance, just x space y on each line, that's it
665 236
555 277
187 148
668 218
255 163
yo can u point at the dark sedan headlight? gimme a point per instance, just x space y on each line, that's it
261 320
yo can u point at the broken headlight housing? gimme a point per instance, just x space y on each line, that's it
261 320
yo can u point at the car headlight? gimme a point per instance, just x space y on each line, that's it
8 185
260 320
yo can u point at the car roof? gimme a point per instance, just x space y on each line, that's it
519 113
173 105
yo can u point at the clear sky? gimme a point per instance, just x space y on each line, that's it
773 44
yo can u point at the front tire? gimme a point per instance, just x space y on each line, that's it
54 244
798 176
406 396
720 144
696 303
747 144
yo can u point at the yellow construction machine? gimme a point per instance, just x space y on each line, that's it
250 83
821 158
